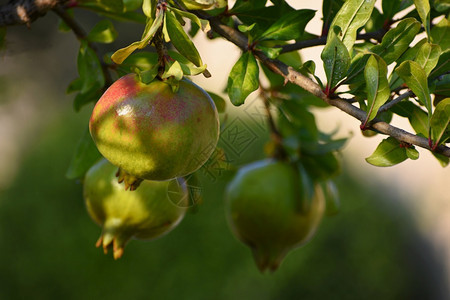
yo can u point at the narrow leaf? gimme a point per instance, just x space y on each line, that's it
336 60
85 155
243 78
181 40
120 55
397 40
388 153
203 24
353 15
377 85
416 79
416 116
440 122
423 8
289 27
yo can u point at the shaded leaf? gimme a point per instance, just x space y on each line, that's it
440 34
416 79
218 101
290 27
440 121
388 153
416 116
85 155
203 24
331 194
336 60
377 85
243 79
390 8
115 6
397 40
329 11
89 69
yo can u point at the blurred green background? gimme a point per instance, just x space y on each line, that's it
370 250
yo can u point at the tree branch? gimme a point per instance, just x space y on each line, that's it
290 75
21 12
81 35
377 35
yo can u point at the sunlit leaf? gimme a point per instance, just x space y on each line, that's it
416 79
353 15
377 85
423 8
388 153
180 40
202 23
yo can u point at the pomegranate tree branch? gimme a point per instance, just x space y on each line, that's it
291 75
19 12
81 35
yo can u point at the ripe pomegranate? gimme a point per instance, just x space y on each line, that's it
262 204
146 213
153 133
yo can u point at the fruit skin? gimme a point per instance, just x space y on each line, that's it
262 205
146 213
152 133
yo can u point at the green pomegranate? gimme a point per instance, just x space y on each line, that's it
147 213
262 204
153 133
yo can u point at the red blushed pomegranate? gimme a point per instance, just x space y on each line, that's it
153 133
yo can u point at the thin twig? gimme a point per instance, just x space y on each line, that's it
81 35
390 104
21 12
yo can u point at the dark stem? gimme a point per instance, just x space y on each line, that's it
81 35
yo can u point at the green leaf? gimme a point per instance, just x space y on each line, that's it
423 8
443 65
416 116
218 101
120 55
412 153
85 155
416 79
329 11
443 160
148 75
81 99
353 15
270 52
188 67
89 69
180 40
203 24
115 6
441 5
173 69
147 8
243 79
289 27
131 5
103 32
377 85
440 34
397 40
390 8
336 60
388 153
321 167
440 122
428 56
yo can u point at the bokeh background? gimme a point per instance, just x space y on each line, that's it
391 239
